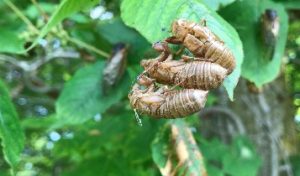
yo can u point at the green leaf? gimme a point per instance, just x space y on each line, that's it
153 19
214 149
10 42
289 4
82 97
212 170
11 133
237 159
256 66
117 126
33 13
242 159
295 162
160 147
64 10
137 43
217 4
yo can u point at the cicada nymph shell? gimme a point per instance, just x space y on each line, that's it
202 43
115 67
270 26
211 63
186 73
193 74
165 103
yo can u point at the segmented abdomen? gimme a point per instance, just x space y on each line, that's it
212 51
170 104
201 75
218 53
182 103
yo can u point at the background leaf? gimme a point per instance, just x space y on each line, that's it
256 67
82 97
160 147
237 159
97 145
241 152
10 42
289 4
217 4
138 45
154 26
11 133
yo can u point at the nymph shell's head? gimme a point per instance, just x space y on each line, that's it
180 28
160 46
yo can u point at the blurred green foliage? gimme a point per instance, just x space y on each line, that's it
238 159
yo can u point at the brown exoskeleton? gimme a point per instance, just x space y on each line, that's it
270 25
115 67
181 27
163 102
202 43
186 73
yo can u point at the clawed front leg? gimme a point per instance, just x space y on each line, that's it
173 40
164 49
145 80
161 46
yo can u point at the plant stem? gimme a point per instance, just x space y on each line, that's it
70 39
21 16
87 46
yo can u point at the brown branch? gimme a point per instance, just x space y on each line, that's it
30 66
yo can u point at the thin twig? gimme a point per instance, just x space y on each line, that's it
70 39
87 46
